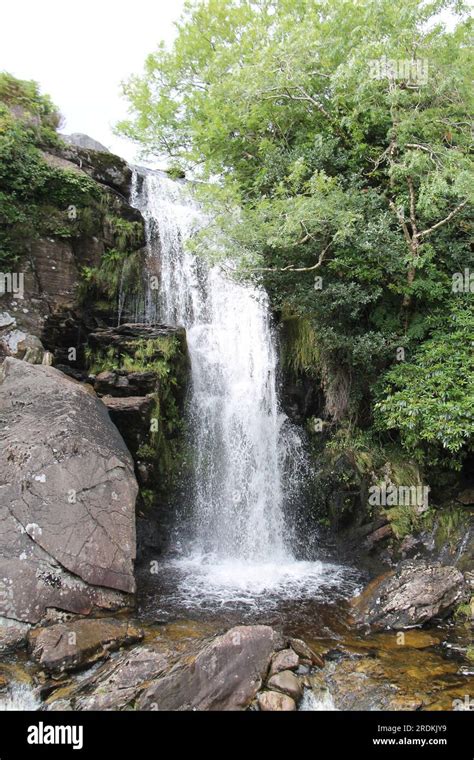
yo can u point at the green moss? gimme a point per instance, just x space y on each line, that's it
164 449
148 497
451 523
405 520
127 235
118 271
299 345
465 611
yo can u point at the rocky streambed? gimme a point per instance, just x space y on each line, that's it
290 656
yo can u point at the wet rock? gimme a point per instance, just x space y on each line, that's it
273 701
131 415
361 685
67 646
410 595
305 652
385 531
118 682
285 659
225 675
67 506
286 682
13 635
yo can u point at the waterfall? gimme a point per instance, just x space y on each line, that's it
237 425
248 458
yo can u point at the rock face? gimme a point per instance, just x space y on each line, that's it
409 596
100 165
145 390
13 635
84 141
225 675
67 646
67 502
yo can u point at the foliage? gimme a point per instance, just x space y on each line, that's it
429 398
451 524
163 450
326 165
34 196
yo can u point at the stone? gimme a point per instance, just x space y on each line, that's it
225 675
119 680
131 415
385 531
273 701
32 349
286 682
305 652
466 497
67 503
285 659
84 141
6 320
13 635
103 167
68 646
411 595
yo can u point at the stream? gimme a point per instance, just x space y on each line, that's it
236 555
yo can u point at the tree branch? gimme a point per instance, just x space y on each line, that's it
291 267
431 153
411 191
402 222
443 221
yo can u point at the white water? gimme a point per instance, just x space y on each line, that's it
248 459
321 703
20 696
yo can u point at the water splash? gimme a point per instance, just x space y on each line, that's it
248 458
20 696
320 702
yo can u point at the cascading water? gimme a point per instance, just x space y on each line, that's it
248 458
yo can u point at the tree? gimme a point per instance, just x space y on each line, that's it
336 135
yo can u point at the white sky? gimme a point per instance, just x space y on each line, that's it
79 52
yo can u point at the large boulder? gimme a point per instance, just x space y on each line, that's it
67 646
410 595
116 683
67 497
225 675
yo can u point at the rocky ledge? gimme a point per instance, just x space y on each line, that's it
411 595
